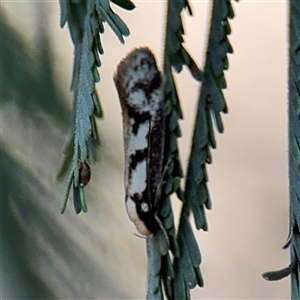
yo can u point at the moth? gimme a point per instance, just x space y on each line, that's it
140 89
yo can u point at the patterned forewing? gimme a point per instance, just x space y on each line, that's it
139 86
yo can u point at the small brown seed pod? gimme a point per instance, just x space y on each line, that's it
84 173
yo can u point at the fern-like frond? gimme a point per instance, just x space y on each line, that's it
160 264
294 155
85 20
187 270
211 104
294 144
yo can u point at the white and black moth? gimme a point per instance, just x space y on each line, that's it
140 89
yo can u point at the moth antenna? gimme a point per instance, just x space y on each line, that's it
142 236
159 186
159 222
148 167
148 247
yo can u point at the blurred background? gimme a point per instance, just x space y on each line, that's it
46 255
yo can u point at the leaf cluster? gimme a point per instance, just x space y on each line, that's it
85 20
173 257
294 144
294 155
184 273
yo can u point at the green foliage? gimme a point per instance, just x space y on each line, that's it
211 104
187 257
294 143
173 257
294 155
160 265
85 20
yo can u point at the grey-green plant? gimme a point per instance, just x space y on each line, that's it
173 262
85 21
293 240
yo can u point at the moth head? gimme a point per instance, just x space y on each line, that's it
138 65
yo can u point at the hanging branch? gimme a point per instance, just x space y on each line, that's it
160 267
85 20
294 144
211 103
294 154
